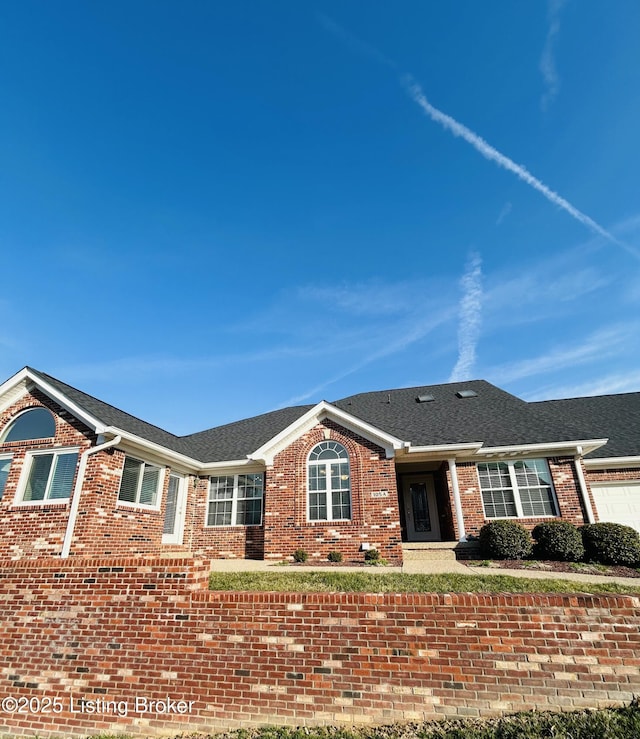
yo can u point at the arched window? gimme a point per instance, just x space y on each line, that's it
36 423
329 483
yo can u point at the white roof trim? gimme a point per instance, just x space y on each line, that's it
28 378
608 462
444 449
308 420
158 449
580 447
228 464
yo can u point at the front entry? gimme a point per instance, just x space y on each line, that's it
174 510
420 508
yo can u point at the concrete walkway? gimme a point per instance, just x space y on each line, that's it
416 566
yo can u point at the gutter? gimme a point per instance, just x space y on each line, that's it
75 501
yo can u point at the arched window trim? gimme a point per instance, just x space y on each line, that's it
328 483
16 419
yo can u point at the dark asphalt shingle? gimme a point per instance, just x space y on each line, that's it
613 417
493 417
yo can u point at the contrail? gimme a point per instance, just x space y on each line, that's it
479 144
470 316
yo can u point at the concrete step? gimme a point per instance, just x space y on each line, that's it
431 551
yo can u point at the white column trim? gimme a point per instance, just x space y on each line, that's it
457 502
583 489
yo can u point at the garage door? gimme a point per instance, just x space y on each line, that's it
618 502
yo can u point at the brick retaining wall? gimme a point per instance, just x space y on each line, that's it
111 631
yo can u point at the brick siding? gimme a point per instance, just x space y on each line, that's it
565 483
112 630
375 518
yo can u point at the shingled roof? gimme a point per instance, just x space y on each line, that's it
613 417
490 415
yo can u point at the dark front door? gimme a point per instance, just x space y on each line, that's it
420 508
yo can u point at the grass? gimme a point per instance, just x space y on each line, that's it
391 582
609 723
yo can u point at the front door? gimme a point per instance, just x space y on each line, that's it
420 508
174 511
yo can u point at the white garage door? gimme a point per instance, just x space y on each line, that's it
618 502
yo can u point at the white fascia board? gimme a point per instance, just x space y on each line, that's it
14 388
611 462
160 453
29 380
580 448
233 466
267 452
445 450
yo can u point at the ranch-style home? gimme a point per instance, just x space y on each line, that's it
79 477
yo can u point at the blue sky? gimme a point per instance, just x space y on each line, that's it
210 210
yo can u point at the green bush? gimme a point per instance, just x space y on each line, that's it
300 555
558 540
611 544
505 540
371 555
335 557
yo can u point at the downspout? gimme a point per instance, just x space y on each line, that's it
577 460
75 501
462 534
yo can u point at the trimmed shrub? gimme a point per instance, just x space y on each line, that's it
611 544
505 540
300 555
558 540
371 555
335 557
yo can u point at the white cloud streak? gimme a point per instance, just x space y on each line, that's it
617 382
547 59
489 152
506 209
470 319
458 129
601 345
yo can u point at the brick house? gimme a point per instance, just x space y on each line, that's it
374 470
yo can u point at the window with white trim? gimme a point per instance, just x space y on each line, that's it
140 483
5 465
329 495
235 500
517 489
49 476
34 423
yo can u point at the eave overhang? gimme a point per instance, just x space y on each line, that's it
553 448
435 452
601 463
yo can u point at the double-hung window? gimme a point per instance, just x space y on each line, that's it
141 483
49 475
235 500
329 483
517 489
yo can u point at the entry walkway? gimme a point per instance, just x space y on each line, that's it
417 566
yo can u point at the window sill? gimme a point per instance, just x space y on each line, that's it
336 521
522 518
232 526
137 507
62 502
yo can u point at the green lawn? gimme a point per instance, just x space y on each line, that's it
391 582
608 723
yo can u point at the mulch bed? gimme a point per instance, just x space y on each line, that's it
551 566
